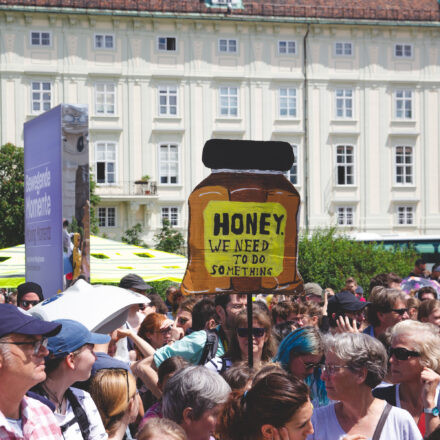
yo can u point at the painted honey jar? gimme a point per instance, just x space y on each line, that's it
243 221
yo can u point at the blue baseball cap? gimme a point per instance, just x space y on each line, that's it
72 336
13 320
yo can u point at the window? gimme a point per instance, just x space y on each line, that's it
287 47
287 102
105 162
343 49
171 213
104 41
403 102
106 217
105 98
167 101
41 96
345 215
345 165
405 215
344 103
166 43
403 50
292 174
227 46
40 39
224 2
229 101
169 164
404 166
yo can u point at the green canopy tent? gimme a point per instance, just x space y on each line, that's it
109 262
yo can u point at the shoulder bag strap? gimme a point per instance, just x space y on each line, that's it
381 422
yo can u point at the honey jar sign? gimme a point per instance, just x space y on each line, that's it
243 221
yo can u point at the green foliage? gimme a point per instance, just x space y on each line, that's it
168 239
94 201
161 287
11 195
132 235
327 258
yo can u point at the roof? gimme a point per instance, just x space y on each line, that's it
396 10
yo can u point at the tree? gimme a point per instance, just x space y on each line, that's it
132 235
168 239
11 195
94 201
328 258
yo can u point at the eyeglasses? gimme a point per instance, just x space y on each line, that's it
142 306
309 365
332 369
400 312
165 330
25 303
35 344
182 321
258 332
402 354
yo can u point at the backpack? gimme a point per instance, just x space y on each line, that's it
210 348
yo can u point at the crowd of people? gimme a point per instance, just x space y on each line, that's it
326 366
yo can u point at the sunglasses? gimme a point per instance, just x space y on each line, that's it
25 303
142 306
400 311
402 354
165 330
258 332
36 345
309 365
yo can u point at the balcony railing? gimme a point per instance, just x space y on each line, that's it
127 188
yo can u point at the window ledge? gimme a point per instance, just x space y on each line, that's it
234 119
294 120
342 121
164 118
105 117
403 122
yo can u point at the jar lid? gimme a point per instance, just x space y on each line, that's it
248 155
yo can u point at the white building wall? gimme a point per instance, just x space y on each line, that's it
74 66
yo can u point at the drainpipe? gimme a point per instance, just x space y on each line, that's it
306 133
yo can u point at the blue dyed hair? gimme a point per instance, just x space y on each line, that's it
305 340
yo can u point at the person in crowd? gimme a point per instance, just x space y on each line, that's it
264 346
275 407
388 280
115 395
282 312
429 311
12 298
157 330
193 398
156 305
301 354
191 347
23 341
426 292
415 367
163 429
184 314
352 286
419 269
173 297
70 360
167 369
239 376
2 298
387 308
29 294
313 292
355 363
413 305
435 273
203 316
345 309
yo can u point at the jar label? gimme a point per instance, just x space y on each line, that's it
244 239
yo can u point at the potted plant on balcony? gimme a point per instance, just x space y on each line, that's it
144 180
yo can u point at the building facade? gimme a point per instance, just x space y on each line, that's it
357 98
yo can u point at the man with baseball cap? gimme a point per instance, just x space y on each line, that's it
70 360
23 342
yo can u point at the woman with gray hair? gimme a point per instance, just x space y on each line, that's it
193 398
415 364
354 364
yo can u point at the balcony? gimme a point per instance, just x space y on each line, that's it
121 191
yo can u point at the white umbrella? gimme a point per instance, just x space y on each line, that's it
101 309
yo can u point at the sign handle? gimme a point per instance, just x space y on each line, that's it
250 338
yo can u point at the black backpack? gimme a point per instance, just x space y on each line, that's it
210 348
